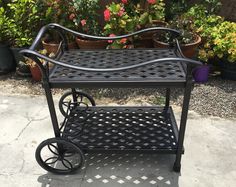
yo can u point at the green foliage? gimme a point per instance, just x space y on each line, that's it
196 12
221 42
85 16
179 7
184 25
5 24
212 6
175 8
130 7
219 37
58 11
152 12
225 41
25 21
120 22
204 24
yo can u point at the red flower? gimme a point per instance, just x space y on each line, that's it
124 1
123 40
107 15
111 35
72 16
83 22
151 1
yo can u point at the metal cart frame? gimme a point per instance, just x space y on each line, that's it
177 73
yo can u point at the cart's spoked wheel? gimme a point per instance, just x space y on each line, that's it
67 101
59 156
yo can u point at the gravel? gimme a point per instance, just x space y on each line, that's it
215 98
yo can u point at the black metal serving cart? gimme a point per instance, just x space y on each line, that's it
87 127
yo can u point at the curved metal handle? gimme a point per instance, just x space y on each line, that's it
59 28
40 34
176 32
186 60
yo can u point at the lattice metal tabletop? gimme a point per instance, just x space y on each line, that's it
167 72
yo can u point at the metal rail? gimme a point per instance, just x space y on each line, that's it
60 30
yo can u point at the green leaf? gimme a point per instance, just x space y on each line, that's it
143 18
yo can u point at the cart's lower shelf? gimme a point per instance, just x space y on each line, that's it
122 128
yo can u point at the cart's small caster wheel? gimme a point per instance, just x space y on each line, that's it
59 156
177 168
67 101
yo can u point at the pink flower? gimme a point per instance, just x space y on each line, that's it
83 22
111 35
124 1
121 12
107 15
151 1
123 40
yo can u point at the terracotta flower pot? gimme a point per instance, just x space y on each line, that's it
91 44
189 50
36 73
53 47
146 38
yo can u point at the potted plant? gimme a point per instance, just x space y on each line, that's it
34 69
201 73
23 13
153 15
60 12
118 22
189 40
7 63
85 18
225 48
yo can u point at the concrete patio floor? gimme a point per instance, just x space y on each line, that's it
209 158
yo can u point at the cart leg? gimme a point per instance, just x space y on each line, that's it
74 95
167 104
52 109
184 115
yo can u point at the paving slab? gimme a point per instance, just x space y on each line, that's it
209 159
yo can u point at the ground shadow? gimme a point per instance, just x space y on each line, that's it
103 169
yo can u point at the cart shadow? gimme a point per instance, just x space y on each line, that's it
109 169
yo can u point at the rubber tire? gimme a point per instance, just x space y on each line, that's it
53 170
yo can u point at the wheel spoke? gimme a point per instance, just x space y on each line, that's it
51 158
65 103
64 164
72 104
81 98
68 153
53 150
